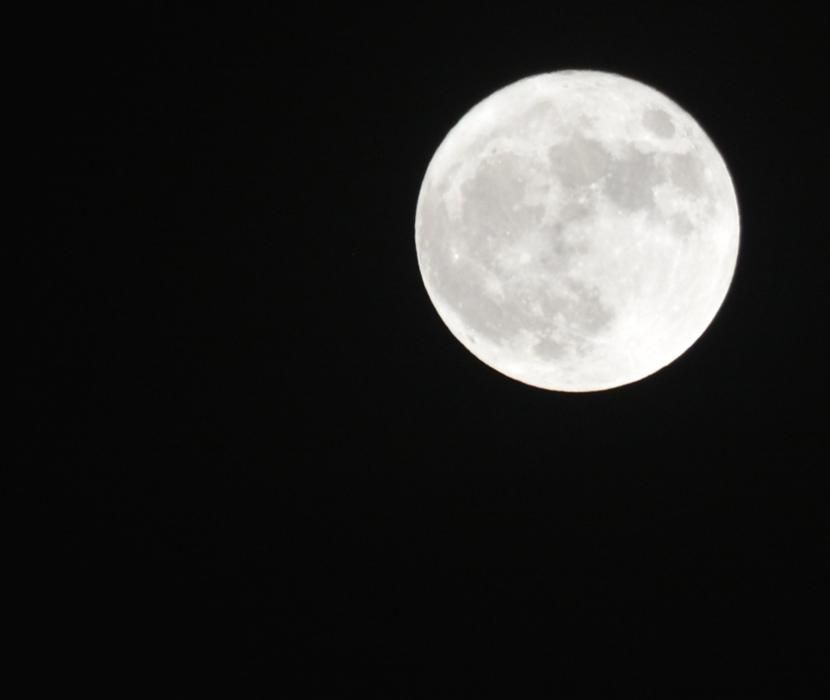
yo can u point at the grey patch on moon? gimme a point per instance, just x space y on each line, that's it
497 192
682 225
572 211
560 311
658 123
578 314
455 268
631 179
579 161
494 216
687 172
547 348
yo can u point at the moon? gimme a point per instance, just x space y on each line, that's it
577 230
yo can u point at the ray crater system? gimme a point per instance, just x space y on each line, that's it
577 230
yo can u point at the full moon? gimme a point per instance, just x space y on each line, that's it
577 230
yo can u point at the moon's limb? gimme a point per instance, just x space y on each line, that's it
577 230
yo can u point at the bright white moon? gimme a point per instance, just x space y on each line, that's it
577 230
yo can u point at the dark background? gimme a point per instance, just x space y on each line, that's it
257 456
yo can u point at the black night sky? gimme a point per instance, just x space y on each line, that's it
255 455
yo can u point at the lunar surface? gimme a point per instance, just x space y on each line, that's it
577 230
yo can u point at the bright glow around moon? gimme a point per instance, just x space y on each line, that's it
577 230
